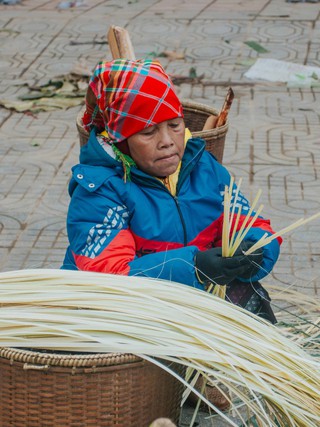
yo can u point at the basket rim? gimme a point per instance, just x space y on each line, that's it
197 106
67 360
193 105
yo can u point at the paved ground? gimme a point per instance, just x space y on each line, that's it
273 141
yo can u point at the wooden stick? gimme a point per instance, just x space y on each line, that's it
120 43
222 118
210 122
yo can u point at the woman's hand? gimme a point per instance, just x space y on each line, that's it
213 267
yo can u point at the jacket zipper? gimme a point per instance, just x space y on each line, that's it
166 185
182 221
176 201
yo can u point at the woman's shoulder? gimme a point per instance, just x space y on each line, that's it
91 178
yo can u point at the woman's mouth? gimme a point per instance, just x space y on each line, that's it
167 158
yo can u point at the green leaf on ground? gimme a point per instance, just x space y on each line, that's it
35 143
246 62
193 73
256 46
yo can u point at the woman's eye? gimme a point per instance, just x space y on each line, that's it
148 132
174 125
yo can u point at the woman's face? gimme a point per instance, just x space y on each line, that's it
157 150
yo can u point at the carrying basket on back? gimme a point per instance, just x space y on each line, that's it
195 116
72 390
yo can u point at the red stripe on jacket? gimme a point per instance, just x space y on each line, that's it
124 247
114 258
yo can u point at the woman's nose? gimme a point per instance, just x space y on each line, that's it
165 139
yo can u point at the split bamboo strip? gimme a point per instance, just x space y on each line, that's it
236 196
235 226
265 240
94 312
230 243
298 316
239 237
245 230
226 222
218 289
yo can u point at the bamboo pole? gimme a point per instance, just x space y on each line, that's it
120 43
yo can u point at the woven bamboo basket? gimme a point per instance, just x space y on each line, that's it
98 390
195 115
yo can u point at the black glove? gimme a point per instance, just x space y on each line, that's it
256 259
212 266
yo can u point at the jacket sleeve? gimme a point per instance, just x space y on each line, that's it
258 229
101 240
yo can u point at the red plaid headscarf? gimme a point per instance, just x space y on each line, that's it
125 97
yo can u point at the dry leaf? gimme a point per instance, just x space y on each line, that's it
67 88
19 106
82 85
42 104
170 54
82 68
55 103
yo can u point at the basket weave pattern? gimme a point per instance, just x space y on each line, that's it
101 390
195 116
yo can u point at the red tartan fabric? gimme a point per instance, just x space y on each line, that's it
124 97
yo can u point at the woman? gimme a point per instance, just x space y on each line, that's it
147 198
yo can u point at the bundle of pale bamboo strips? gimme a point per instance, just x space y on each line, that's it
232 239
92 312
298 316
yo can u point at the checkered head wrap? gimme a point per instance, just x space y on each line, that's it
124 97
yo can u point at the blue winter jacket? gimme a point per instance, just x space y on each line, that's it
138 228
